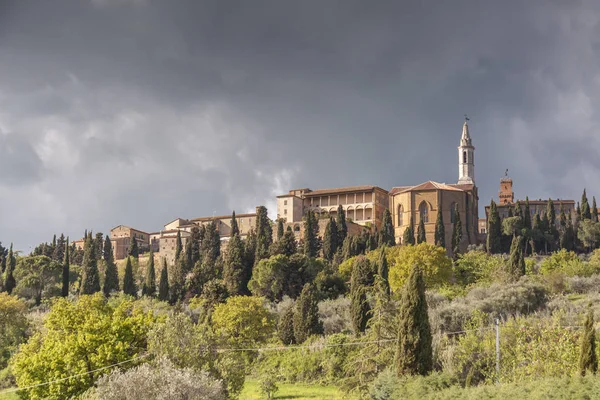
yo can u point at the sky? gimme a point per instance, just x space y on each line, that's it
137 112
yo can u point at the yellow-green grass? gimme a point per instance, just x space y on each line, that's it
8 396
294 391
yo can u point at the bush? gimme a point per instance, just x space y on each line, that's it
579 284
568 263
436 266
476 266
335 315
388 386
160 380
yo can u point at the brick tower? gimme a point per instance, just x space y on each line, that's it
506 194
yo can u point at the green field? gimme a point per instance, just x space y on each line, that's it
293 391
9 396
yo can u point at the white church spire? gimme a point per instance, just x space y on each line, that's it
466 157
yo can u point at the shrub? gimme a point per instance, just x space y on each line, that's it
435 265
159 380
568 263
579 284
335 315
476 266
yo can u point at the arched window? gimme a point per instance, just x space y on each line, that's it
464 157
424 211
453 212
400 215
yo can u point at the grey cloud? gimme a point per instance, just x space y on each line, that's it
19 162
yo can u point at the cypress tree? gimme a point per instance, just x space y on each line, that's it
53 247
133 250
280 230
195 245
285 328
235 276
211 245
287 245
177 284
250 250
594 210
90 280
585 207
456 233
494 235
99 243
342 228
409 233
264 234
516 262
189 263
359 309
386 235
414 353
65 271
235 229
383 273
421 234
362 273
527 215
9 279
330 240
163 284
306 315
111 275
578 211
440 230
149 288
129 286
311 232
178 246
588 360
59 251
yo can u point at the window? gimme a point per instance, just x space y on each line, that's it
400 215
285 202
453 212
424 212
464 157
285 212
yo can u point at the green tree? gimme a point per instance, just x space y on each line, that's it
341 224
243 321
456 233
59 250
360 310
414 353
37 276
287 246
66 271
516 262
178 246
90 279
129 286
362 273
588 360
421 233
211 245
494 231
594 210
432 260
589 233
280 230
235 273
311 234
111 275
383 273
195 239
79 338
149 288
133 250
235 229
264 234
386 235
13 326
163 284
177 283
409 233
527 215
440 230
585 207
9 278
306 315
285 328
250 250
330 240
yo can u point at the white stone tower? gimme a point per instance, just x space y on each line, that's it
466 157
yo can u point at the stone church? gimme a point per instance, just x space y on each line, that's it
425 201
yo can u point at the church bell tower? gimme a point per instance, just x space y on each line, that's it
466 157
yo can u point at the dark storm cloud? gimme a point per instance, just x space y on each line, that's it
139 111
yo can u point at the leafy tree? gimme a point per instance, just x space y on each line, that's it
285 329
421 234
243 321
9 279
37 276
330 240
585 207
341 224
235 273
178 246
456 233
432 260
129 286
594 210
306 316
90 279
588 360
516 262
264 234
414 355
280 230
85 336
235 229
589 233
494 235
13 326
440 230
409 233
149 288
133 250
386 235
359 309
311 232
383 274
163 284
66 271
111 275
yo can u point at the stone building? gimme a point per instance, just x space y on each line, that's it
121 236
425 201
363 205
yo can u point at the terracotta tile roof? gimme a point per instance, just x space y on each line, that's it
463 186
128 227
429 185
203 219
399 189
348 189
